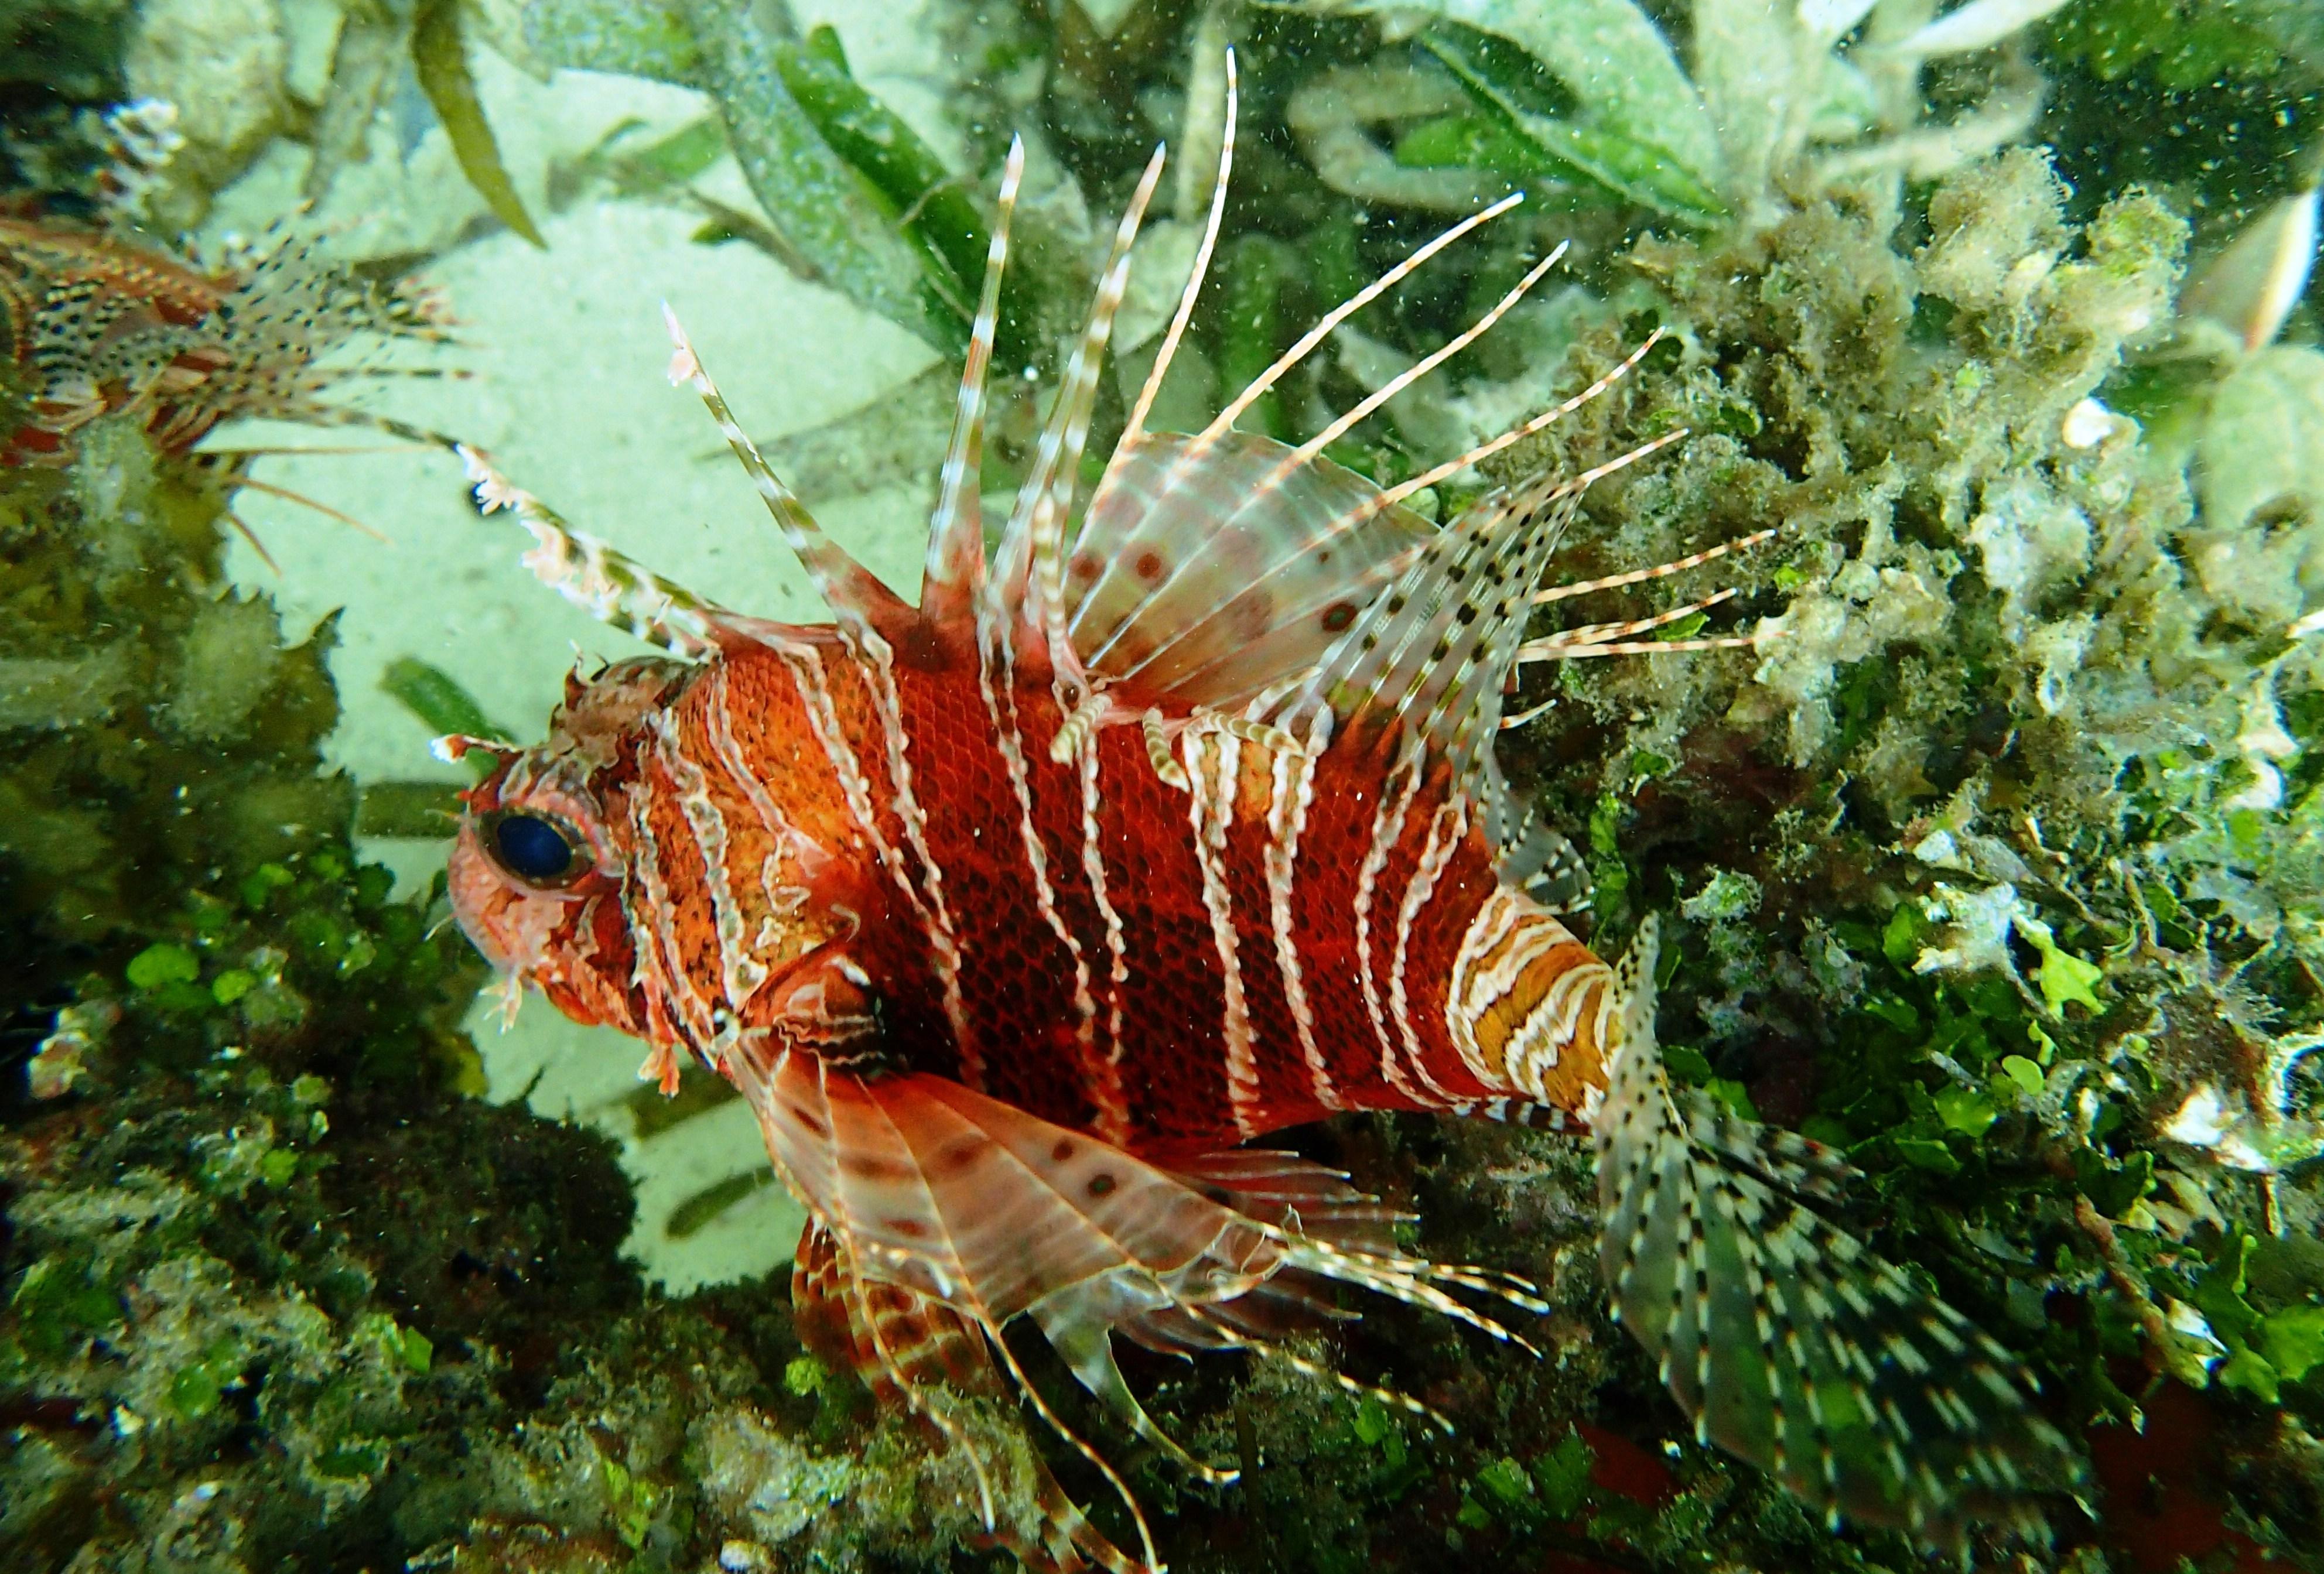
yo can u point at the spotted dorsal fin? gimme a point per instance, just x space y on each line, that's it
1435 653
1199 585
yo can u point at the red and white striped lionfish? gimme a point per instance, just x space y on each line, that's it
100 321
1015 913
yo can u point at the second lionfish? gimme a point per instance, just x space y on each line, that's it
1017 912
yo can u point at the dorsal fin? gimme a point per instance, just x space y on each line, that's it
1024 597
1539 859
858 600
1435 652
1198 584
955 572
614 589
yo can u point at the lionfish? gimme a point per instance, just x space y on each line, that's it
1015 913
100 321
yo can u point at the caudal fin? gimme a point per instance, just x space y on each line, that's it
1787 1341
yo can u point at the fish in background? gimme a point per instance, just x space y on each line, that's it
103 320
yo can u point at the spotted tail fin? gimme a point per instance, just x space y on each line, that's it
1787 1341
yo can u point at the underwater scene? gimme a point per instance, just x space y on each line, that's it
1235 784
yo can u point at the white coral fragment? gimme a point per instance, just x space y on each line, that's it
2200 1122
2264 744
1976 938
2089 423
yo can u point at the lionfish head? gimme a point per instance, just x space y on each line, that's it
539 871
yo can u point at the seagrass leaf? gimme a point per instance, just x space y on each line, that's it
439 56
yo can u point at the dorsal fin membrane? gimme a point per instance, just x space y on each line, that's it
1538 859
1198 587
955 571
1192 457
1435 652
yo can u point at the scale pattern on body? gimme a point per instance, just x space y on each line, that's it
1016 913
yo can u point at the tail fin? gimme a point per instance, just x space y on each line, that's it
1788 1342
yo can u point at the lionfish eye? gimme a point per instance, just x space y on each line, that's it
539 849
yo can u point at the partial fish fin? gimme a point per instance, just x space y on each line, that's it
1214 566
1542 423
858 601
921 1356
957 1199
1405 379
955 572
594 577
1541 860
1293 1193
1435 652
1223 423
1788 1342
1136 426
268 489
616 589
1029 572
1193 584
1621 638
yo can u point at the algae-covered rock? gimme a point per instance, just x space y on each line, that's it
221 62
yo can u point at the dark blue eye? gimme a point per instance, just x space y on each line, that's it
534 848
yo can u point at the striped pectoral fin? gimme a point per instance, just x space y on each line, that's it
1786 1341
982 1212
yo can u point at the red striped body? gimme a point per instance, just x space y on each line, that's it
1175 969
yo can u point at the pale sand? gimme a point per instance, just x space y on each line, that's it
568 355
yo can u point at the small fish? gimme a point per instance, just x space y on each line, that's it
1016 915
100 323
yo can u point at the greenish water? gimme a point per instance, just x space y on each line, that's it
1995 859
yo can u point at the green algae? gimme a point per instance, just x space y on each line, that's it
1997 850
835 172
439 56
277 1290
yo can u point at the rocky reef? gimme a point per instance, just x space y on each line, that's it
1996 856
